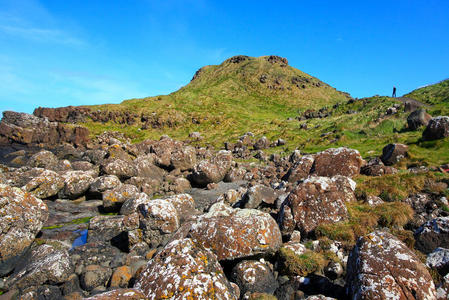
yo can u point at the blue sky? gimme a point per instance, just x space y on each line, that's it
58 53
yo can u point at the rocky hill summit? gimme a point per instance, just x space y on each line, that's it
171 197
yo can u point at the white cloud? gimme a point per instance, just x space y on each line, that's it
42 35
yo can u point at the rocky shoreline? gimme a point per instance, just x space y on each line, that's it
102 218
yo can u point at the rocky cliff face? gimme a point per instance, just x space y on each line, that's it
31 130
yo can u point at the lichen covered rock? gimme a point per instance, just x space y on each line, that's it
338 161
46 185
382 267
237 233
316 201
184 270
21 217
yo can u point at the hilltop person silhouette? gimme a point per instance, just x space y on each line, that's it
394 92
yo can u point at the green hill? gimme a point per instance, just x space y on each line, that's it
436 95
224 101
269 98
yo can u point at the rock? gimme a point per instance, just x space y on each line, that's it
382 267
316 201
144 184
103 183
375 167
125 294
184 269
347 186
45 185
82 166
21 218
43 159
254 276
184 205
438 128
443 290
145 168
180 185
338 161
433 234
94 276
234 174
195 135
120 168
92 253
76 183
121 277
301 168
183 158
112 228
439 259
157 218
373 201
262 143
393 153
259 194
46 264
113 199
130 206
212 171
28 129
418 118
236 233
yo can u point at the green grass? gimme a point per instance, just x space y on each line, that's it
301 265
364 219
75 221
436 95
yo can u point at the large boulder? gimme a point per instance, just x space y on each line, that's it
123 169
147 169
433 234
318 200
21 217
43 159
46 264
418 118
113 199
184 270
212 171
236 233
103 183
259 194
382 267
438 128
393 153
76 183
45 185
158 218
338 161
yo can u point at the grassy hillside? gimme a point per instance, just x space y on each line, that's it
224 101
436 95
264 95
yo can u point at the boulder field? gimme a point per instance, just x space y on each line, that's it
103 218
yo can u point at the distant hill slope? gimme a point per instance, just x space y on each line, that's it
224 101
432 94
